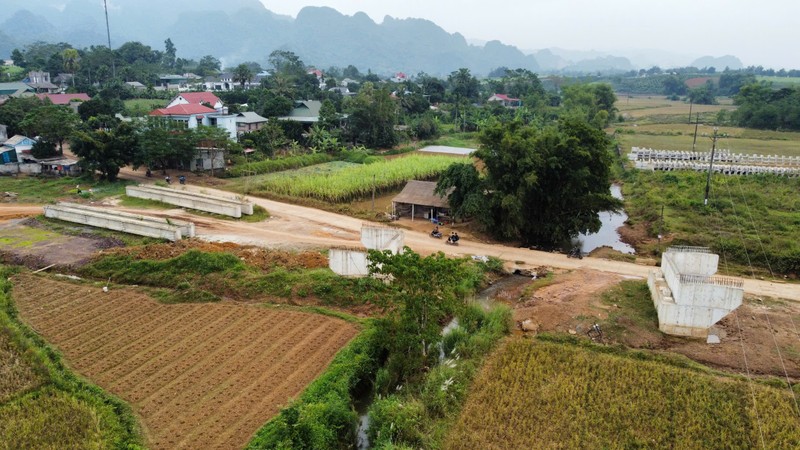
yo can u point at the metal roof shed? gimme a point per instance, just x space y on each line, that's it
418 199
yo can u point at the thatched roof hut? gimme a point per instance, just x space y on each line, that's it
418 199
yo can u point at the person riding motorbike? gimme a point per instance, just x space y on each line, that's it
436 233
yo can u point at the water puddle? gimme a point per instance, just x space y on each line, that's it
607 236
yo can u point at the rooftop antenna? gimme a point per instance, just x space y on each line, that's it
108 32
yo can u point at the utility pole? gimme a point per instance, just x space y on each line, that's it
691 102
714 138
696 122
108 32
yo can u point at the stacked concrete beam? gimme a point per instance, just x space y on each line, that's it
687 295
149 226
187 199
376 237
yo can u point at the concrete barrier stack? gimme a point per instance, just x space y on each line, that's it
226 206
141 225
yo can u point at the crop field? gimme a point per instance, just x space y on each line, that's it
352 181
537 394
658 123
198 375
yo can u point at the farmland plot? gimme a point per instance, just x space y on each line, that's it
198 375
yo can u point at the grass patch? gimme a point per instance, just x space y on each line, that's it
565 395
134 202
43 404
49 190
73 229
139 107
26 237
745 213
633 304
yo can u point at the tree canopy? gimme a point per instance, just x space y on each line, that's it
541 185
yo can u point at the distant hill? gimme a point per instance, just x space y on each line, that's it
242 30
719 63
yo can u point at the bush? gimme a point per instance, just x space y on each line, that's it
278 165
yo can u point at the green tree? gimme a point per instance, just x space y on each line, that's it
170 52
426 290
463 92
286 63
18 58
594 102
105 150
54 123
541 185
208 65
242 75
14 111
71 58
328 117
702 95
163 143
372 117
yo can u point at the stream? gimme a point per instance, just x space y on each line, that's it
363 397
608 235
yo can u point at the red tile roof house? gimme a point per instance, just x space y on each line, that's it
197 98
73 100
195 114
505 100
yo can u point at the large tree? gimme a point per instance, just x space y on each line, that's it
540 185
242 74
163 143
105 150
54 123
373 115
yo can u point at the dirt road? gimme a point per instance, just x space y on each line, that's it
293 226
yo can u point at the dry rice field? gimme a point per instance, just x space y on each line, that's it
198 375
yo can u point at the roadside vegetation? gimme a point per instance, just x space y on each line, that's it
42 403
567 392
47 190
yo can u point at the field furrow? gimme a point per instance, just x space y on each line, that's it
198 375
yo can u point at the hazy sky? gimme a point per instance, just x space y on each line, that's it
761 32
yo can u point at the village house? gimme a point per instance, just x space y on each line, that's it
40 82
71 100
419 199
505 100
305 111
192 115
21 145
249 121
197 98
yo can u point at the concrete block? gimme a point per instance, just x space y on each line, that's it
186 200
187 228
376 237
142 226
348 262
247 207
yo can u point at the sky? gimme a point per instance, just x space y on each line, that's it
762 32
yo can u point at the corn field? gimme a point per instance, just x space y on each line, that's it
549 395
356 181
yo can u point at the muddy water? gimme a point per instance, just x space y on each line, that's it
607 236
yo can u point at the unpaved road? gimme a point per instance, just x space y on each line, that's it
293 226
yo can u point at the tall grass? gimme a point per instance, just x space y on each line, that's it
277 165
356 181
567 396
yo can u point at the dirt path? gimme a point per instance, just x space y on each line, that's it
293 226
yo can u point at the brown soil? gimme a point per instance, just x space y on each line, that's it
26 242
198 375
260 257
573 302
567 304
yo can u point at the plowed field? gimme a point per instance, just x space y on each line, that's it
198 375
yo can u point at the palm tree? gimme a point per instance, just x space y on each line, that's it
242 74
70 57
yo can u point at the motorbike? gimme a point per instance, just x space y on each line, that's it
182 179
575 252
436 234
452 241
